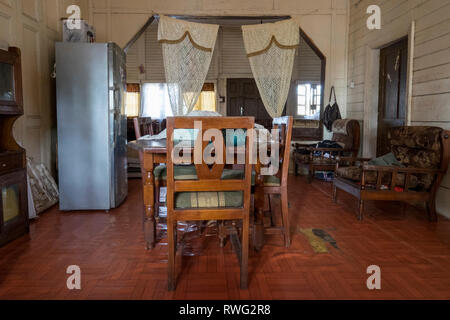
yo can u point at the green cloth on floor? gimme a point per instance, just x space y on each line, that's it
318 245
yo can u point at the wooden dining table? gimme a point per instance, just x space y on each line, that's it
153 153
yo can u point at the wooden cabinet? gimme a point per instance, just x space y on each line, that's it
13 174
13 205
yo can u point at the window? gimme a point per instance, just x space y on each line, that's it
207 99
156 102
132 100
309 100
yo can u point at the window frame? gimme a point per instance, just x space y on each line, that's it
320 95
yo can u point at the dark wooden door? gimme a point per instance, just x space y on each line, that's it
392 94
243 99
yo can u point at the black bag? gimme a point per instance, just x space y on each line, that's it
331 112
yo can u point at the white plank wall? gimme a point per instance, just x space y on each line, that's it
230 62
431 62
34 26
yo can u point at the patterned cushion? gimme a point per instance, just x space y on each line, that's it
343 132
418 158
417 146
354 173
340 126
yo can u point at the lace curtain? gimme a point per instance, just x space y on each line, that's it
271 50
187 51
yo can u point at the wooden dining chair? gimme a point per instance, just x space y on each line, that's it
142 127
278 184
210 196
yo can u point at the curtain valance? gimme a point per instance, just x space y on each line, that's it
271 50
261 37
202 36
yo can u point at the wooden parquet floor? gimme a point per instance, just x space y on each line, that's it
414 255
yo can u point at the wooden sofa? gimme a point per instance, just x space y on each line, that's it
424 154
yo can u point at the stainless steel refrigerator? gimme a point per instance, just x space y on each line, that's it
92 125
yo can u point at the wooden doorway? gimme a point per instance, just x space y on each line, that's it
244 100
392 91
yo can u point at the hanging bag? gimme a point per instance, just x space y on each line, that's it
331 112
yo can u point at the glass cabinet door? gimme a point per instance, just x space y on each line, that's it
10 203
13 201
7 82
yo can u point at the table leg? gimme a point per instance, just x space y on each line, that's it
258 234
148 180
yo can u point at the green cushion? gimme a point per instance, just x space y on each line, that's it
238 137
180 172
228 199
269 181
386 160
272 181
185 200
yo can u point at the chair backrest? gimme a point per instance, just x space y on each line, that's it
208 175
420 146
285 125
142 127
347 133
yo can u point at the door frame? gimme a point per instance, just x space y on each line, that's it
371 88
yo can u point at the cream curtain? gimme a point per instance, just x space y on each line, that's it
187 51
271 50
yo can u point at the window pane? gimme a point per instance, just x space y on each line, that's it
206 101
132 102
301 111
301 100
301 89
155 101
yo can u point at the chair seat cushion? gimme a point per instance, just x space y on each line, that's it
189 173
272 181
228 199
355 173
181 172
269 181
